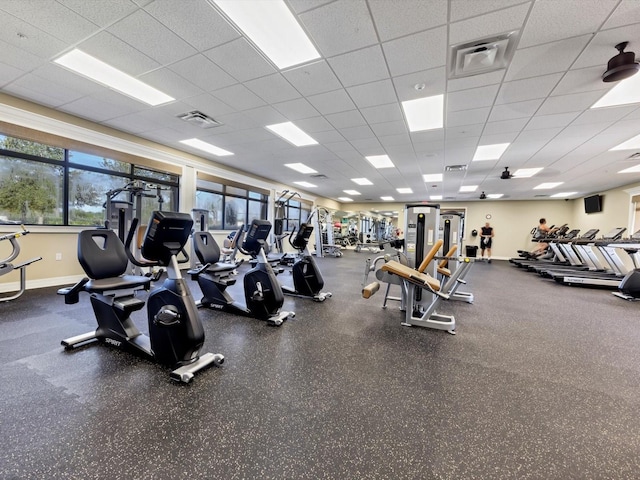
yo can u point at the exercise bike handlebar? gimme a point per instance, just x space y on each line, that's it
143 262
14 235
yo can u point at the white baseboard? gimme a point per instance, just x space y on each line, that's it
41 283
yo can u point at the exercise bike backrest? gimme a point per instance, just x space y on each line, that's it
101 254
256 237
165 237
206 248
301 240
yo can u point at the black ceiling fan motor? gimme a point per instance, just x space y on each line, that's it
621 66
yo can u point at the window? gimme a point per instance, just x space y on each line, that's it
48 185
229 206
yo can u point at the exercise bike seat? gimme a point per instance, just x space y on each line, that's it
103 257
208 252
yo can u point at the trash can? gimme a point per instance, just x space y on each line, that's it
472 251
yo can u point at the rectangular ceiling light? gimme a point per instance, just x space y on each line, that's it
626 91
206 147
300 167
490 152
98 71
635 169
424 113
345 199
306 184
352 192
404 190
526 172
386 198
435 197
495 195
380 161
291 133
631 144
547 185
272 28
432 177
361 181
563 194
468 188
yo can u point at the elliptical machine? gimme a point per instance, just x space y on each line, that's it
307 279
176 334
7 267
263 294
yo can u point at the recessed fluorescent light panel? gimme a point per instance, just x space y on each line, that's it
404 190
526 172
291 133
432 177
635 169
98 71
631 144
490 152
361 181
300 167
386 198
626 91
495 195
468 188
345 199
272 28
352 192
548 185
435 197
563 194
206 147
380 161
424 113
306 184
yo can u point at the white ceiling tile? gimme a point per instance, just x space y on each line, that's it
199 24
299 6
372 94
461 9
9 73
382 113
101 13
467 117
164 136
427 136
208 104
61 76
356 133
18 58
145 33
239 97
601 115
514 125
602 46
363 66
314 124
488 25
314 78
296 109
569 103
265 115
389 128
351 118
366 144
103 106
171 83
550 121
340 27
252 64
332 102
528 89
627 13
200 71
469 99
134 123
412 16
586 130
273 88
35 41
434 81
582 80
475 81
118 54
340 147
510 111
395 140
551 20
420 51
549 58
330 136
42 88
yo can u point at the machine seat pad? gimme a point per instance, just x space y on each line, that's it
422 279
444 271
220 267
117 283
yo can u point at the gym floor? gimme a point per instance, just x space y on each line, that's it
540 382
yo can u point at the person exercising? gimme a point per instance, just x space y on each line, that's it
542 231
486 239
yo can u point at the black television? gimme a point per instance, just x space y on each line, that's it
593 204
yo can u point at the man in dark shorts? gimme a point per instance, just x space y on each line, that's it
486 239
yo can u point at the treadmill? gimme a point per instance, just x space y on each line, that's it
573 261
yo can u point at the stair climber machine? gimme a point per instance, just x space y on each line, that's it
263 294
176 334
307 279
6 266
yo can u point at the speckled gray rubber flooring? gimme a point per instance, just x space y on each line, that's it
541 382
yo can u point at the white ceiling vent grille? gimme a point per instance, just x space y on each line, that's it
200 119
482 56
455 168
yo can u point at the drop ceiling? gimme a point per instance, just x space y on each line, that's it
373 55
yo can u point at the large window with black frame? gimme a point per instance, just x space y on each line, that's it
229 206
41 184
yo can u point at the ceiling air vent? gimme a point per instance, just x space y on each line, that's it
200 119
482 56
455 168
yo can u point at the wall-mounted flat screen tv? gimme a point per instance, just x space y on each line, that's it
593 204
